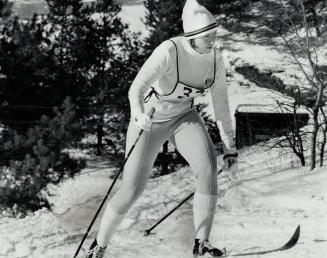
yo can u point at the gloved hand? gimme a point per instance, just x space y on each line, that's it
230 160
143 121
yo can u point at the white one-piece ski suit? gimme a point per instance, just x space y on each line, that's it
169 81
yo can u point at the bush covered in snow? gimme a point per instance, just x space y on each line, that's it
33 160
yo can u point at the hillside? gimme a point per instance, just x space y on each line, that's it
258 209
26 8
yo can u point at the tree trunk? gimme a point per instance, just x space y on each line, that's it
314 138
100 133
297 138
324 139
315 21
322 147
302 159
299 154
101 104
164 165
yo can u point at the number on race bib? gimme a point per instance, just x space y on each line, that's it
187 92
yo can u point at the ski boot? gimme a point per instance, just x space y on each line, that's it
95 251
205 248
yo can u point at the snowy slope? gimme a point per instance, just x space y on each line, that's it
131 13
257 209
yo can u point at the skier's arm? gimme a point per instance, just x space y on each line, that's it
220 102
155 66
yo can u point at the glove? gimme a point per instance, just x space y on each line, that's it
230 160
143 121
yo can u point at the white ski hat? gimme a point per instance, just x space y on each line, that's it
197 20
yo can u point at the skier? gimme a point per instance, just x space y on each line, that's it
178 70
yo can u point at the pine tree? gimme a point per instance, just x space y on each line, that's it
82 51
35 158
64 7
164 20
213 6
5 8
95 44
5 12
29 70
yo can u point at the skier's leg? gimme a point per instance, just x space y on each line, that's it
135 176
195 145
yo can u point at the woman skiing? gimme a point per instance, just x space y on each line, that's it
178 70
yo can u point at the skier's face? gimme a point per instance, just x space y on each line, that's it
205 43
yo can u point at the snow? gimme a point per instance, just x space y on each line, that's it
133 15
245 94
274 56
130 14
258 208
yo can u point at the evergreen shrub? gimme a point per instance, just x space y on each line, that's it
32 160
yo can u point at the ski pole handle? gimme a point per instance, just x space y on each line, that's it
151 112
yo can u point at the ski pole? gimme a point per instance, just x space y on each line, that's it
148 231
111 186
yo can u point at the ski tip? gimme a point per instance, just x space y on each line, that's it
298 229
294 239
291 243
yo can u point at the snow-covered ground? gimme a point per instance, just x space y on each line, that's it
258 208
132 15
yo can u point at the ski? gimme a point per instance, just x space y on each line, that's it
291 243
